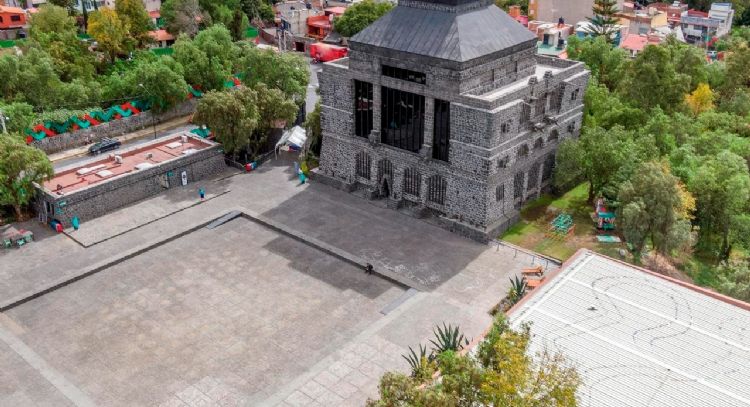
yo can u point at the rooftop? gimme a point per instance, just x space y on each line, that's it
639 338
103 169
453 30
8 9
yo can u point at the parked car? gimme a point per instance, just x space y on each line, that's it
106 144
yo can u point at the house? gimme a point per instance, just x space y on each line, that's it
673 10
12 17
638 338
292 22
635 43
552 37
572 11
318 27
699 27
642 21
162 38
446 126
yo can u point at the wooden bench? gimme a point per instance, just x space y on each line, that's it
534 271
534 283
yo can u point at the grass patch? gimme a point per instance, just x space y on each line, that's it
530 232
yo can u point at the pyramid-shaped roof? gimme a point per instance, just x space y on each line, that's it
457 34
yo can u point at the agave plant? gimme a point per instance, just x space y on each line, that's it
422 364
448 338
517 290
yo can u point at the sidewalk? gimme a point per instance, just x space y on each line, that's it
136 135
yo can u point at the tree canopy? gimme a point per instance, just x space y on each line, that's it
360 15
106 27
502 373
604 21
232 116
20 167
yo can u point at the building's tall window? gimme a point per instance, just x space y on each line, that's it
402 119
404 74
442 130
549 167
362 108
436 188
362 165
518 181
533 179
412 181
500 193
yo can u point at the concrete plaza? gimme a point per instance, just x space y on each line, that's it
172 313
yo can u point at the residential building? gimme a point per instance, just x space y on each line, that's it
700 27
673 10
436 123
641 21
162 38
638 338
635 43
12 17
571 11
292 20
552 37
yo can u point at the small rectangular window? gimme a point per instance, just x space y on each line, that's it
500 193
404 74
15 18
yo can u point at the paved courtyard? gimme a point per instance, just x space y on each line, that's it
178 314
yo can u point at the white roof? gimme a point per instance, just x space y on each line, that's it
639 339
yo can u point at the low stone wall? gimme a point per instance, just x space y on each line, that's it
106 197
111 129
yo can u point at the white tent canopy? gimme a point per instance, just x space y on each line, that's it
294 137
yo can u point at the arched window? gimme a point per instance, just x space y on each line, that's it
553 136
436 187
523 151
533 180
538 144
412 181
363 165
385 170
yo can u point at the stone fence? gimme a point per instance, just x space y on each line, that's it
113 128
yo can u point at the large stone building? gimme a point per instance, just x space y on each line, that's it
443 108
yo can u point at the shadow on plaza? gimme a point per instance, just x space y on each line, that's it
386 238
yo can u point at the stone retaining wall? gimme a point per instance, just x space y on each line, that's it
98 200
113 128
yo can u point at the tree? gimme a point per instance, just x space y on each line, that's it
359 16
163 85
721 187
274 108
701 100
108 31
286 72
20 167
501 374
135 18
651 80
505 5
232 116
658 206
600 157
21 116
216 42
604 61
182 16
258 10
605 109
200 71
738 74
604 21
238 25
734 279
51 19
314 130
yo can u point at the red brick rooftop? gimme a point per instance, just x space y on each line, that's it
70 180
